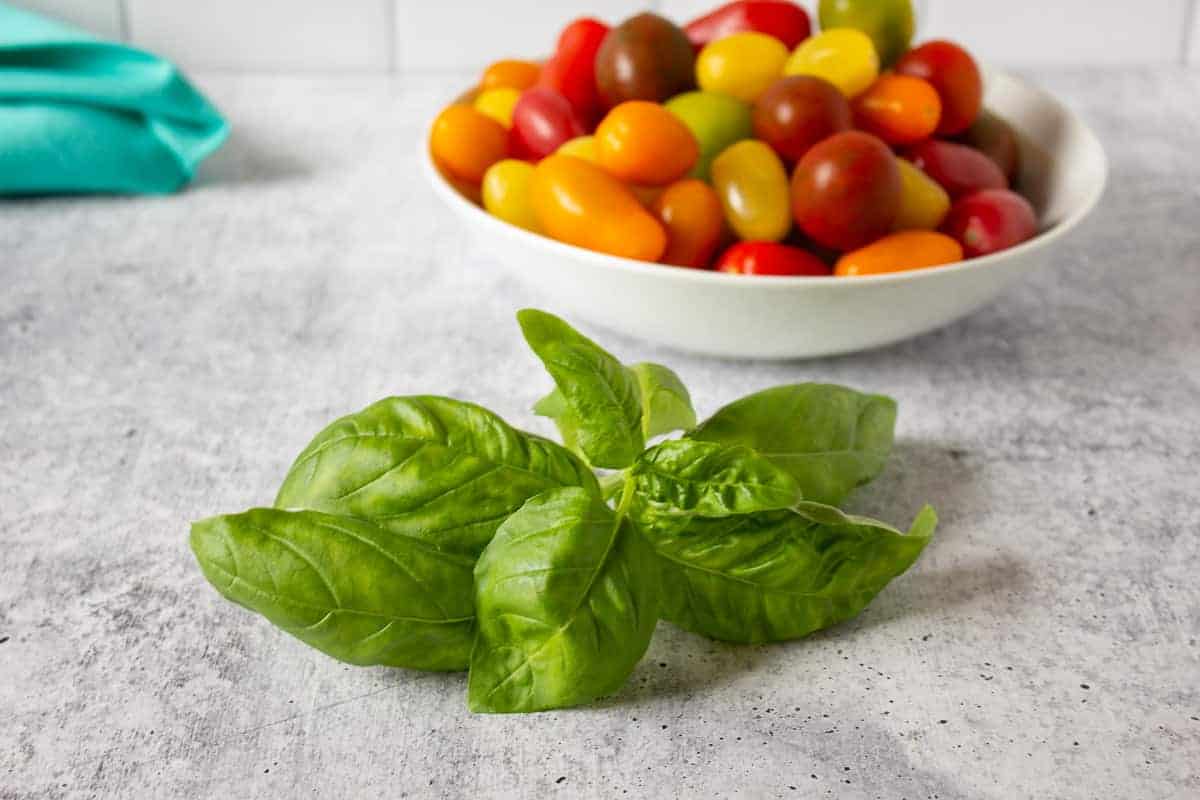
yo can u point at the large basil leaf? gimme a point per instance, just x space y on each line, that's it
431 467
566 596
666 403
600 398
349 588
710 480
776 575
830 438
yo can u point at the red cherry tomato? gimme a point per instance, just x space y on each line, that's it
846 190
787 22
958 168
571 71
798 111
997 140
542 120
991 220
956 77
770 258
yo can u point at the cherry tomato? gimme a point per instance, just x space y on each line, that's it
958 168
843 56
742 65
695 223
798 111
466 142
899 109
571 71
898 252
996 139
644 58
786 21
506 192
581 147
510 74
498 104
542 120
923 202
990 220
716 120
581 204
954 75
889 23
770 258
846 190
753 187
641 142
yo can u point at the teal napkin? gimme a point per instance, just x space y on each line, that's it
81 115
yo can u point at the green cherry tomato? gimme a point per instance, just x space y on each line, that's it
889 23
716 120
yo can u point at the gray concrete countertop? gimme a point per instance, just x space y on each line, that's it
164 358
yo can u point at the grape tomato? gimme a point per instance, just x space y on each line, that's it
990 220
465 142
843 56
958 168
798 111
643 142
846 191
785 21
770 258
715 120
742 65
695 223
753 187
899 109
646 57
542 121
506 193
954 74
899 252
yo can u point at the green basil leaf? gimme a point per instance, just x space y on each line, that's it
776 575
345 586
602 400
708 479
666 403
431 467
830 438
566 596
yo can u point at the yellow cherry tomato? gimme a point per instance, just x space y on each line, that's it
581 204
498 104
843 56
642 142
898 252
465 142
923 202
506 193
581 147
753 188
742 65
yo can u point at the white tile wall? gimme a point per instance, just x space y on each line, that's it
421 35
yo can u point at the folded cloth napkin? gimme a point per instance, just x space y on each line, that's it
81 115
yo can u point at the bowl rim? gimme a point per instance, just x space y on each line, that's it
455 199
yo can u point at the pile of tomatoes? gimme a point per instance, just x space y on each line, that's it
746 143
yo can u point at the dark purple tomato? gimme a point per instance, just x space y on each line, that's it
798 111
644 58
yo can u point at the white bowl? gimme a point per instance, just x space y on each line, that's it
1063 171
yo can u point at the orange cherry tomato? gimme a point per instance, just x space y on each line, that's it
510 74
695 222
642 142
581 204
465 142
898 252
899 109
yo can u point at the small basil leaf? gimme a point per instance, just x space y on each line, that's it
554 406
602 400
347 587
830 438
431 467
566 596
708 479
666 404
776 575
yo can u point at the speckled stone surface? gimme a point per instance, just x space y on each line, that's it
163 359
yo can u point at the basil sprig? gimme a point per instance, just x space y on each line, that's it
425 532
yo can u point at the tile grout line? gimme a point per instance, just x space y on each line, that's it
1188 47
123 25
391 15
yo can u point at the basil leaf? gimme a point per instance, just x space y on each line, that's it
666 403
776 575
710 480
602 400
431 467
830 438
566 596
347 587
